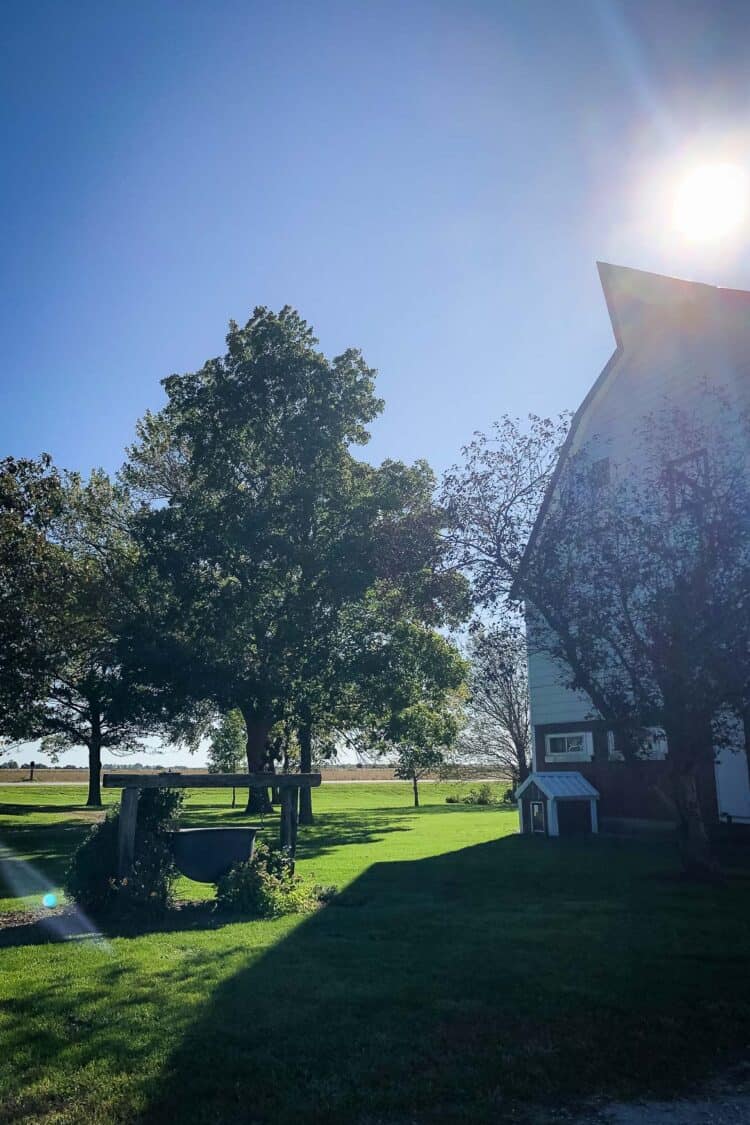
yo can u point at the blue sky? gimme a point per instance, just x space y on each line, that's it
432 182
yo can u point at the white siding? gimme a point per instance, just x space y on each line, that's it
551 701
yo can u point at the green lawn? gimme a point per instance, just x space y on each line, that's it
463 974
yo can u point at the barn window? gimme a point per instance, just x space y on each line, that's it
688 481
575 747
600 472
537 816
653 746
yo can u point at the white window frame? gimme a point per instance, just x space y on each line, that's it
613 754
656 751
584 755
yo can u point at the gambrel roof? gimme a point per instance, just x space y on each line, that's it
570 785
632 297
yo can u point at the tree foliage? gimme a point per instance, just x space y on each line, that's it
492 499
32 579
226 750
67 551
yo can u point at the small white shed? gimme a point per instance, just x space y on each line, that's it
557 804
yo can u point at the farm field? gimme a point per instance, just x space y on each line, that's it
462 974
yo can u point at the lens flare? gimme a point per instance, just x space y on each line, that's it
26 881
711 202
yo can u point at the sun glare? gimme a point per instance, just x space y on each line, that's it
711 202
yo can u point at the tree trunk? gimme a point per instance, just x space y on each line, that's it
416 791
695 846
523 765
94 798
305 766
257 734
690 742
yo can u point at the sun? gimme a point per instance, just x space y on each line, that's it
711 202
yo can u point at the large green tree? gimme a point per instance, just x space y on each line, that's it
260 530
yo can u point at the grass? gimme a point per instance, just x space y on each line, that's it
463 974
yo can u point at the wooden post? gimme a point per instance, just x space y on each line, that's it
126 839
285 833
294 817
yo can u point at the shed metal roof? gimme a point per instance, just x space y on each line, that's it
564 786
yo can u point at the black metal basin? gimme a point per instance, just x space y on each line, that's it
205 854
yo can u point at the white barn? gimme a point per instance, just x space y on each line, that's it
672 339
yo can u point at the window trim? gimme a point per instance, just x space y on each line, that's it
584 755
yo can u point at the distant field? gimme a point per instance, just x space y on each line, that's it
61 776
332 773
463 974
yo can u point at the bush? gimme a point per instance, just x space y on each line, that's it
90 876
481 795
91 879
266 886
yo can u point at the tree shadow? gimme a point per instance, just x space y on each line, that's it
330 831
27 810
459 987
337 830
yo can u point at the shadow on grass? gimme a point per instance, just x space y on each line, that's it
35 810
47 847
458 988
450 989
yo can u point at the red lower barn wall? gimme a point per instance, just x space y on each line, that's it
627 790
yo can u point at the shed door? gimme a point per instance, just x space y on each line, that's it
537 817
573 817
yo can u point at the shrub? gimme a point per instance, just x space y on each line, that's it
266 886
91 879
481 795
90 876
